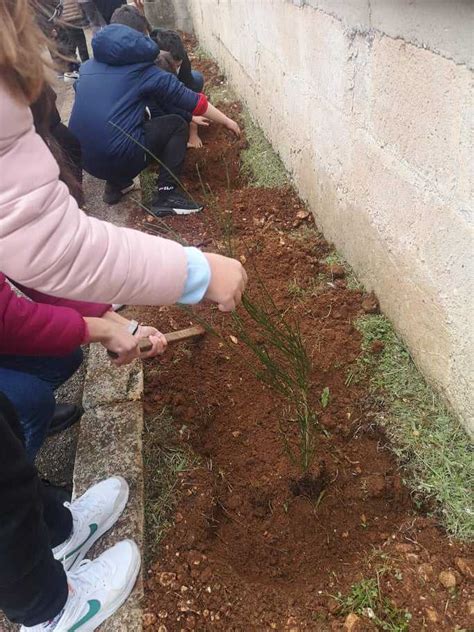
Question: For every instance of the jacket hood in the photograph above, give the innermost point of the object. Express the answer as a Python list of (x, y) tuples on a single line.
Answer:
[(119, 45)]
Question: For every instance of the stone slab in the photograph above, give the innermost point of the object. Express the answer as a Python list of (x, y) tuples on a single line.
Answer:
[(111, 443), (107, 384)]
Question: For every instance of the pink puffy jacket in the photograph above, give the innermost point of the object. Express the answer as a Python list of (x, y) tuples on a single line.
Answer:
[(48, 244)]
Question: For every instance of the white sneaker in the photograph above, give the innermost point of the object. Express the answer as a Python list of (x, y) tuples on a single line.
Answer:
[(93, 513), (97, 590), (70, 77)]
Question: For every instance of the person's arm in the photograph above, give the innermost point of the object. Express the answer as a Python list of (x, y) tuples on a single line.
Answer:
[(84, 308), (48, 244), (216, 116), (169, 89), (28, 328)]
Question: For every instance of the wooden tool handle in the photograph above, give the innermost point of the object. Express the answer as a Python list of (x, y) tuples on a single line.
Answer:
[(185, 334), (173, 336)]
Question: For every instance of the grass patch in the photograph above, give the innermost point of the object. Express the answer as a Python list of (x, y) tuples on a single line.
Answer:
[(147, 184), (163, 462), (366, 599), (305, 232), (221, 93), (260, 163), (430, 442)]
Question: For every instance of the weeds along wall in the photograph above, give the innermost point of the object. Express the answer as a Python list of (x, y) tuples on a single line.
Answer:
[(369, 104)]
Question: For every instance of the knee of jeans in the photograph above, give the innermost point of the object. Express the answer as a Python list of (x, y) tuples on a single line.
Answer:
[(180, 125), (35, 419), (77, 358)]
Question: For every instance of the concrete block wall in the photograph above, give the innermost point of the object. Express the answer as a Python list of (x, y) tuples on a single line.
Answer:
[(369, 104)]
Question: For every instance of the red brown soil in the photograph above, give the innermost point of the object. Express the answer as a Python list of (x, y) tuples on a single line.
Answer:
[(249, 550)]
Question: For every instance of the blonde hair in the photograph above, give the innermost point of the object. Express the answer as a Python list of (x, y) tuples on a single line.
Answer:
[(22, 66)]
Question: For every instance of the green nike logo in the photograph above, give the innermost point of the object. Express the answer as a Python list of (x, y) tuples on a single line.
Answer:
[(94, 607), (92, 529)]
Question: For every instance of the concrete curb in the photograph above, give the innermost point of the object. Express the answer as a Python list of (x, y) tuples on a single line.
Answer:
[(110, 442)]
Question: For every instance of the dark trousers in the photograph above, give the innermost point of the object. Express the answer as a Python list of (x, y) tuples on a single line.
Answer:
[(71, 149), (70, 39), (107, 7), (33, 586), (166, 138), (29, 383)]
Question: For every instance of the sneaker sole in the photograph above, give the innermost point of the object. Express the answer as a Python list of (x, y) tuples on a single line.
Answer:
[(176, 211), (122, 598), (122, 501)]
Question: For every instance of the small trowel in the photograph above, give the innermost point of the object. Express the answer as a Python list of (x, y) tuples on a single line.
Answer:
[(173, 336)]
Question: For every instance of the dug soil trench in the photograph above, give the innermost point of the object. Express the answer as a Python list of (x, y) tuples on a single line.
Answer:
[(252, 544)]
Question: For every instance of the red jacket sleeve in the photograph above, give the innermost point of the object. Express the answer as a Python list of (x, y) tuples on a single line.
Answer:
[(28, 328), (84, 308), (201, 106)]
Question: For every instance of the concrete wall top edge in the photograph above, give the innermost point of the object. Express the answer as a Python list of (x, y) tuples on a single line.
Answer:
[(443, 26)]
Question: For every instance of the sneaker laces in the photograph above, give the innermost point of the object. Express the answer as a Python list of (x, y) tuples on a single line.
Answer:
[(89, 573), (83, 509)]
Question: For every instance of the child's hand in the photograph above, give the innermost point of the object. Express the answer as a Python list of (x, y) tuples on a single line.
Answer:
[(156, 338), (233, 127), (201, 120), (228, 281)]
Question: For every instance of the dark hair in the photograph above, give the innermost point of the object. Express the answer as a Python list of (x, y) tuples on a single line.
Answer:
[(170, 41), (130, 16)]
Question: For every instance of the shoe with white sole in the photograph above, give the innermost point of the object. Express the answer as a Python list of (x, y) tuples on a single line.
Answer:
[(97, 589), (93, 513), (70, 77), (173, 203)]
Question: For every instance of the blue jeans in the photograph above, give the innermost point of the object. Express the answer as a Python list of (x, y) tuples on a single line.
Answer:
[(29, 383), (198, 80)]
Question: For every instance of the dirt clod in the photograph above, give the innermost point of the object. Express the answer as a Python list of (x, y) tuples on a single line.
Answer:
[(310, 486), (447, 579), (432, 615), (370, 304), (465, 567), (337, 271), (149, 619), (377, 346)]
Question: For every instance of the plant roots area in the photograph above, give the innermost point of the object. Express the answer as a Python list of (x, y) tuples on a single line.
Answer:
[(256, 520)]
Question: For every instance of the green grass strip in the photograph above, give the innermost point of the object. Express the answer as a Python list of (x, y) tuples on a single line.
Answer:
[(427, 438)]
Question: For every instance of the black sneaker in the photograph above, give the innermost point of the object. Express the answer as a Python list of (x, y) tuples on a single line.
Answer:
[(113, 193), (173, 203), (65, 416)]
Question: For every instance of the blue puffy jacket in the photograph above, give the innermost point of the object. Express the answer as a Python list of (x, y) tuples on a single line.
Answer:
[(114, 87)]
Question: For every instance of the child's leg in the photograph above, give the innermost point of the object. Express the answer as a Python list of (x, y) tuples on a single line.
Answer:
[(80, 43), (67, 49), (194, 141), (29, 383), (166, 138), (95, 19), (33, 585)]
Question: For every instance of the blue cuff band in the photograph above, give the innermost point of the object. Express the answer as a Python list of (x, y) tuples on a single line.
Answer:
[(198, 279)]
